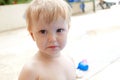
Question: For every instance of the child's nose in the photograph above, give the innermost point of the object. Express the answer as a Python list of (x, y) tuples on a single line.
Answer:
[(52, 37)]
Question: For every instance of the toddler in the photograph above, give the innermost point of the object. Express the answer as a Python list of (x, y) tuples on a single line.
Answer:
[(48, 24)]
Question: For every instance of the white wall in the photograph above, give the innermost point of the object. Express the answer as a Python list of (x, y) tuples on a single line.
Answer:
[(12, 17)]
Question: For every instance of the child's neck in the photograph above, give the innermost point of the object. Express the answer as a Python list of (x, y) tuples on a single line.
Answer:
[(48, 57)]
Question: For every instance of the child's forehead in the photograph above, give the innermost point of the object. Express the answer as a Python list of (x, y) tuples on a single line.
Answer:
[(58, 20)]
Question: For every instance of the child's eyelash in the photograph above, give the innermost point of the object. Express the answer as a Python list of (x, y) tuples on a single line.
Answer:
[(42, 31), (45, 31), (60, 30)]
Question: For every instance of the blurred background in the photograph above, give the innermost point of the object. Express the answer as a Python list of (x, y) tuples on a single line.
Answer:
[(9, 2)]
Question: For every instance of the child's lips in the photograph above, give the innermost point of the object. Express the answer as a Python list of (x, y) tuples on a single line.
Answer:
[(52, 47)]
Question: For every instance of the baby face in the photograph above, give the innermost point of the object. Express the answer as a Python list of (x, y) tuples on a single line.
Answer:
[(50, 38)]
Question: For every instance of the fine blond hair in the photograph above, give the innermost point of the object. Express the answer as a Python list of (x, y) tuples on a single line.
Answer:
[(46, 11)]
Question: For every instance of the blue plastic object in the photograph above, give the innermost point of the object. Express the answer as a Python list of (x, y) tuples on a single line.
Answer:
[(70, 0), (83, 65)]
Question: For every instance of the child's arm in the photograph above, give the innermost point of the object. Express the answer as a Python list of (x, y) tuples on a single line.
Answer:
[(27, 73)]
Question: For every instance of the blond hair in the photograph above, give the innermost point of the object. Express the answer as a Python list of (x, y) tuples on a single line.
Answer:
[(46, 11)]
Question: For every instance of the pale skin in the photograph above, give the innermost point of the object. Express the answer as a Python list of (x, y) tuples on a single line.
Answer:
[(49, 63)]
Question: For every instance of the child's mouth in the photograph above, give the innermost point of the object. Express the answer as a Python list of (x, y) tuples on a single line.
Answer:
[(52, 47)]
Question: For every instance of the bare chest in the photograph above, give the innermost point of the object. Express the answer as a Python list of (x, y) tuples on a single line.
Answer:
[(57, 71)]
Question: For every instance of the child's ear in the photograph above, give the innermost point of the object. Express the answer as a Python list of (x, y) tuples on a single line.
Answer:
[(32, 35)]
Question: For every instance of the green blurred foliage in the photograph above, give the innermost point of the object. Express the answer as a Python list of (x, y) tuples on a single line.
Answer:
[(8, 2)]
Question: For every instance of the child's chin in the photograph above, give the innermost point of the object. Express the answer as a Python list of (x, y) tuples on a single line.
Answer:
[(56, 53)]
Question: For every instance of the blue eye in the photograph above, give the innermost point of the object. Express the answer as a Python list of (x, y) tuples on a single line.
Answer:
[(43, 31), (60, 30)]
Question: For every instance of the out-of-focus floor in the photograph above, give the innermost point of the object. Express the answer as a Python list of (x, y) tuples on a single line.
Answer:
[(95, 37)]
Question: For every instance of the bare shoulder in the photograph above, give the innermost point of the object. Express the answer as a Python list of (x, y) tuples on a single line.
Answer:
[(28, 71)]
